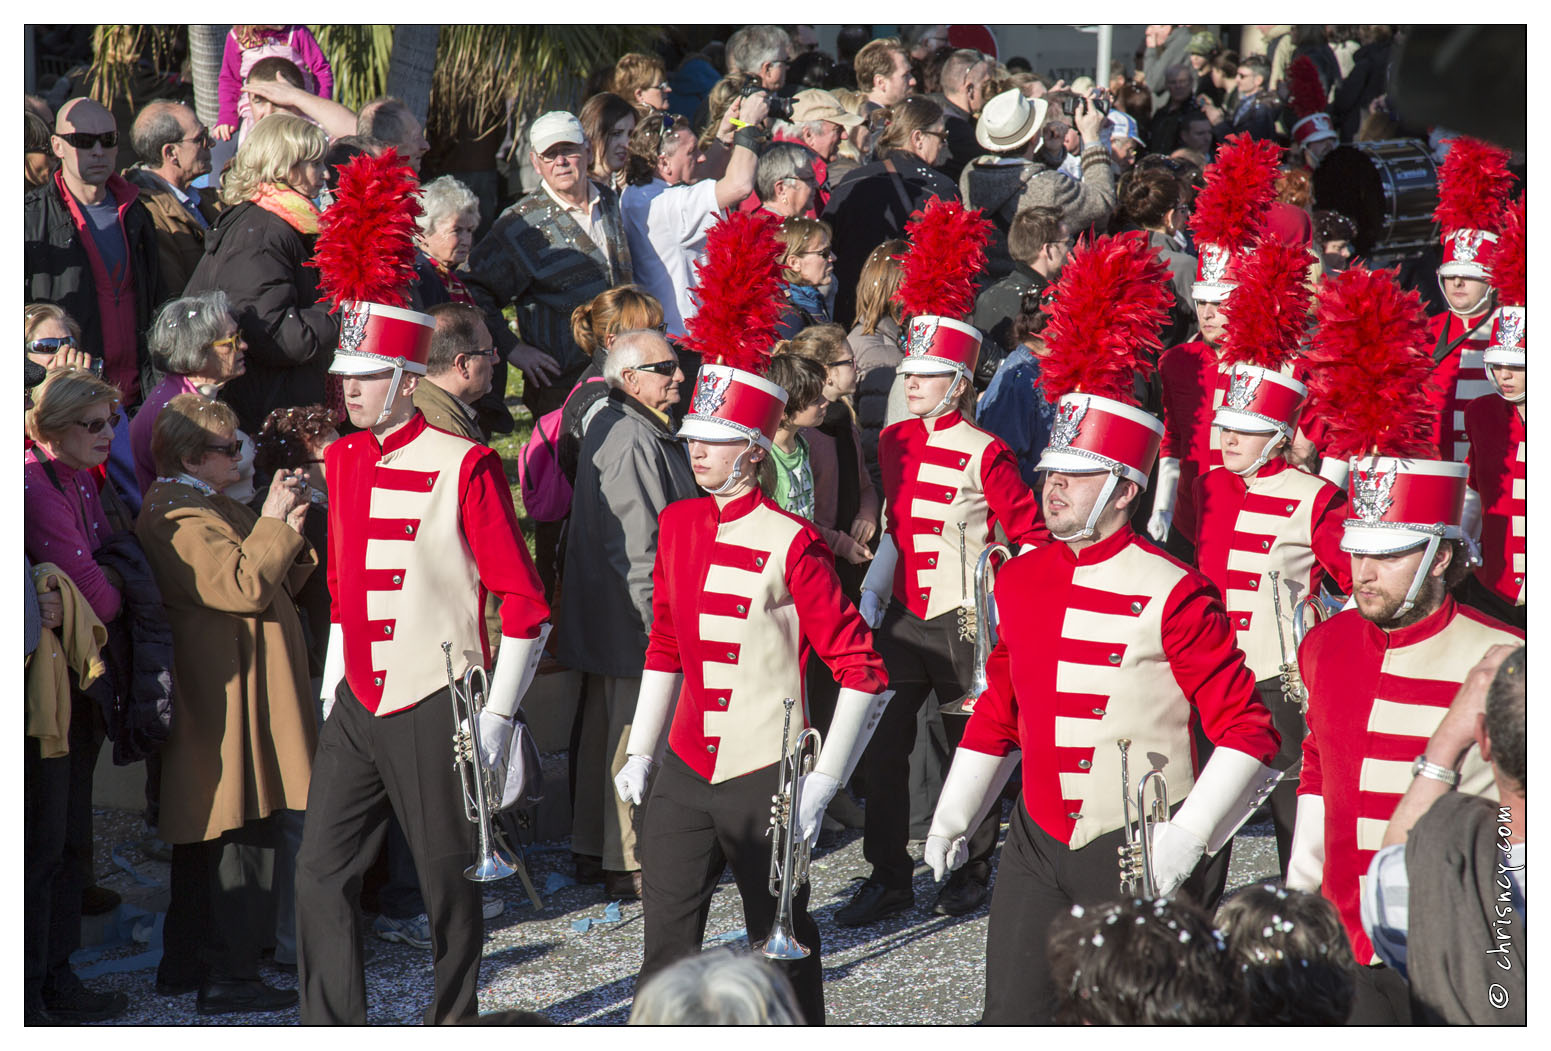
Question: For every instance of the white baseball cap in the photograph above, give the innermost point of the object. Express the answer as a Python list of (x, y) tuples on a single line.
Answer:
[(554, 127)]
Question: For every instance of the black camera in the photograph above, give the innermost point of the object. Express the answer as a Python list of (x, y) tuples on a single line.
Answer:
[(778, 106)]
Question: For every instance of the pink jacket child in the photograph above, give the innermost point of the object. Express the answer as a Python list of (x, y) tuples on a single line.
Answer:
[(245, 45)]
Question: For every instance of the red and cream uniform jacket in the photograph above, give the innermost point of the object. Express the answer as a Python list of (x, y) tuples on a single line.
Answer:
[(1375, 697), (1458, 379), (1283, 519), (421, 528), (1496, 458), (1118, 640), (740, 595), (1194, 385), (940, 474)]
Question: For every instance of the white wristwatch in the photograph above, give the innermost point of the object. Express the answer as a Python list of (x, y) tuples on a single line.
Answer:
[(1423, 768)]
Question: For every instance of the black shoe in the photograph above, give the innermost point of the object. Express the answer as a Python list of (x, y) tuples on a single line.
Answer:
[(232, 997), (176, 986), (963, 893), (873, 902), (97, 900), (83, 1005), (589, 868)]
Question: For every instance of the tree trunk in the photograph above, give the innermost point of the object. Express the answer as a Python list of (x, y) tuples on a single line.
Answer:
[(205, 45), (411, 66)]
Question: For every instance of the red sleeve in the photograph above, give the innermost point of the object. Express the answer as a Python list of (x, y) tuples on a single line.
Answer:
[(1311, 779), (829, 621), (993, 726), (1329, 514), (1210, 669), (1013, 504), (662, 644), (490, 525)]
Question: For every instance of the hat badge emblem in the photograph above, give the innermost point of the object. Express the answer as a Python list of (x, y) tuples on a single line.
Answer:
[(1510, 328), (711, 393), (1370, 494), (923, 333), (1067, 423), (352, 327), (1214, 262), (1467, 244), (1241, 389)]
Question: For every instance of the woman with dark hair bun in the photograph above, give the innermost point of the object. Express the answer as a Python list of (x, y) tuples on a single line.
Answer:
[(1152, 198)]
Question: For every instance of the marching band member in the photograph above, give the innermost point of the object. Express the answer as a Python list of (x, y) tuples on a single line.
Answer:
[(1473, 185), (421, 527), (1381, 676), (1494, 424), (1269, 532), (1229, 211), (949, 486), (742, 592), (1104, 638)]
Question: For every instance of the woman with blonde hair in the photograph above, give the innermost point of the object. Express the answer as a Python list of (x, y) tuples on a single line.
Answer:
[(257, 253), (642, 81), (242, 743), (874, 341), (808, 268)]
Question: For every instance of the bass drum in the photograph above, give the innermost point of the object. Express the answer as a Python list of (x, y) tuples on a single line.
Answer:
[(1388, 188)]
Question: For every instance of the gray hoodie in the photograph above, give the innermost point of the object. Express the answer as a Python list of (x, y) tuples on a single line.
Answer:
[(1002, 187)]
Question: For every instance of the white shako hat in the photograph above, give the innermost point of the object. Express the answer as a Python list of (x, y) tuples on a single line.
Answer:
[(730, 404)]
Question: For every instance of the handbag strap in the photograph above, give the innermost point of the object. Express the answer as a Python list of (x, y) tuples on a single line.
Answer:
[(898, 182)]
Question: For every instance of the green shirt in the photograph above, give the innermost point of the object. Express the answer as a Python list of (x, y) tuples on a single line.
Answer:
[(794, 479)]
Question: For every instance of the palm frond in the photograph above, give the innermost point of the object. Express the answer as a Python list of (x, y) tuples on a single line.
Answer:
[(116, 54), (359, 56)]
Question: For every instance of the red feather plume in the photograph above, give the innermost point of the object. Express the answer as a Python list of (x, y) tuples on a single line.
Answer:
[(1473, 185), (1111, 301), (1369, 362), (740, 291), (1508, 274), (1240, 183), (1268, 313), (366, 238), (946, 254), (1308, 91)]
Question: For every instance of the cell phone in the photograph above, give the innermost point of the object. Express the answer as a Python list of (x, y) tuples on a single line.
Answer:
[(96, 366)]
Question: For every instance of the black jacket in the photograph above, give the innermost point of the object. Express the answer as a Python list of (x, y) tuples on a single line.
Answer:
[(872, 205), (135, 697), (997, 307), (256, 258), (1368, 80), (57, 270)]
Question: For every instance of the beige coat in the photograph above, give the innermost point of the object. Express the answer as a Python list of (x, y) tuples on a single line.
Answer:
[(445, 412), (244, 724)]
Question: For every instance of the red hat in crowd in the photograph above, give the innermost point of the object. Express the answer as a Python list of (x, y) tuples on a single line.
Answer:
[(1307, 91), (1473, 185), (945, 251), (732, 404), (1111, 301), (1230, 211), (1508, 277)]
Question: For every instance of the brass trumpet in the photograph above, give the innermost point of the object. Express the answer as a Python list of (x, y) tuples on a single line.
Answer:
[(789, 850), (480, 784), (1312, 605), (986, 635), (1136, 875)]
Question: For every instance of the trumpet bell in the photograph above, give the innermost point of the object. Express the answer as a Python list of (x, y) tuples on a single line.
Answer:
[(493, 866), (782, 946)]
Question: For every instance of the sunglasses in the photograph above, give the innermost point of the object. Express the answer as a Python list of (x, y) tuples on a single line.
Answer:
[(85, 140), (666, 134), (666, 367), (232, 449), (51, 344), (842, 363), (202, 139), (96, 426)]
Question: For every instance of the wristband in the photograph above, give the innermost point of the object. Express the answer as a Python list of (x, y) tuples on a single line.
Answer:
[(748, 137), (1423, 768)]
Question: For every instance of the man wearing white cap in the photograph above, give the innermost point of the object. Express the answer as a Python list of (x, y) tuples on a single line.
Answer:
[(1014, 173)]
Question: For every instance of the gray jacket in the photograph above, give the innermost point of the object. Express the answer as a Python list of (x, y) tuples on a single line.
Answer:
[(1001, 188), (631, 467), (877, 356)]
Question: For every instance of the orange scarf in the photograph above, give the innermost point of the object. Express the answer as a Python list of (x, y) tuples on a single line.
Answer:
[(289, 205)]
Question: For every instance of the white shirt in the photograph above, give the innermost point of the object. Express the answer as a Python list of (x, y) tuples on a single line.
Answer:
[(589, 218), (666, 227)]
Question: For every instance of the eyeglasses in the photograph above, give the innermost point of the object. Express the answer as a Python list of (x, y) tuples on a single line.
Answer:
[(96, 426), (202, 139), (668, 128), (85, 140), (666, 367), (842, 363), (488, 352), (933, 131), (826, 251), (232, 449), (51, 344), (230, 341)]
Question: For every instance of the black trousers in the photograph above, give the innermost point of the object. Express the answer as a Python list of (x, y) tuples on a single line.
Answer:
[(1038, 880), (222, 912), (365, 769), (1477, 595), (921, 656), (691, 832), (51, 889), (1288, 720)]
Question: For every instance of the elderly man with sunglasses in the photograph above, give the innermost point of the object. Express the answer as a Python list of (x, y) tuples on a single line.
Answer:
[(89, 246)]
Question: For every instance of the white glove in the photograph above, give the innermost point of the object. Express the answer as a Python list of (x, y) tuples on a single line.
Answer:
[(815, 791), (630, 782), (1470, 525), (653, 704), (1230, 788), (872, 608), (1163, 501), (1175, 853), (1335, 471), (333, 668), (1306, 859), (515, 664), (974, 781), (943, 856), (495, 740)]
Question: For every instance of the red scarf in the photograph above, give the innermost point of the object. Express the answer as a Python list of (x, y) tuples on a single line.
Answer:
[(456, 289)]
